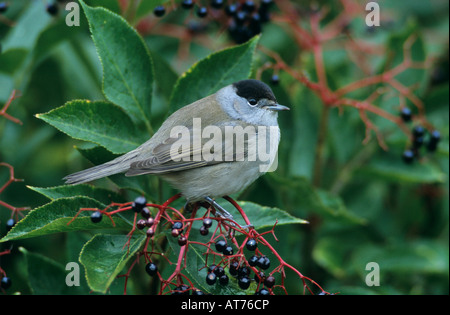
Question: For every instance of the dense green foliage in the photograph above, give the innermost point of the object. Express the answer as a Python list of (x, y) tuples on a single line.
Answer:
[(85, 99)]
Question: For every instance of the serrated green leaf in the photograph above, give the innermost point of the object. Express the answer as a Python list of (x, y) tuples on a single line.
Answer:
[(99, 122), (214, 72), (260, 216), (104, 257), (47, 277), (126, 62), (105, 196), (55, 216)]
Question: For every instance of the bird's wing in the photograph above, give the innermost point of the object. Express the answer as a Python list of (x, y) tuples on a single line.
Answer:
[(188, 151)]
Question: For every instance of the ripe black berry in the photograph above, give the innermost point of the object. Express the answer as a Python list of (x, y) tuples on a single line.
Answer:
[(159, 11), (221, 245), (263, 291), (275, 79), (139, 204), (202, 12), (151, 269), (177, 225), (198, 292), (211, 278), (244, 283), (269, 281), (234, 267), (52, 9), (5, 283), (3, 7), (418, 131), (96, 217), (219, 271), (408, 156), (207, 222), (204, 230), (181, 290), (253, 260), (231, 9), (244, 271), (140, 224), (249, 6), (223, 279), (406, 114), (9, 224), (187, 4), (182, 241), (433, 141), (150, 232), (145, 213), (217, 4), (251, 245), (263, 262), (418, 142), (228, 251)]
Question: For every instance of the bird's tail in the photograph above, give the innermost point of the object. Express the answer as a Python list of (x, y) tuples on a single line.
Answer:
[(118, 165)]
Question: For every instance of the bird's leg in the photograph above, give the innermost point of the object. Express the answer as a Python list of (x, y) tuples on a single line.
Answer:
[(222, 212)]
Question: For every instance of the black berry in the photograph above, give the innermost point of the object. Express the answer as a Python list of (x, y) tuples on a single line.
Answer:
[(231, 9), (52, 9), (202, 12), (5, 283), (253, 261), (251, 245), (408, 156), (159, 11), (211, 278), (182, 241), (145, 213), (207, 222), (204, 230), (433, 141), (406, 114), (96, 217), (3, 7), (140, 224), (263, 291), (244, 283), (177, 225), (9, 224), (244, 271), (228, 251), (187, 4), (151, 269), (198, 292), (219, 271), (275, 79), (139, 204), (269, 281), (249, 6), (418, 131), (217, 4), (234, 267), (263, 262), (181, 290), (223, 279), (221, 245)]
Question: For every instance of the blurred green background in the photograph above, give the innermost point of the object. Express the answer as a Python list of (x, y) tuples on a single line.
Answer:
[(367, 206)]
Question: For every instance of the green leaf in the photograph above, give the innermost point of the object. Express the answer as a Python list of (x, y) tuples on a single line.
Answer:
[(104, 257), (47, 277), (98, 122), (398, 171), (105, 196), (11, 60), (213, 73), (260, 216), (126, 62), (55, 216)]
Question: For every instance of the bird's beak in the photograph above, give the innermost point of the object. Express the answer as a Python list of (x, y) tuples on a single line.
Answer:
[(277, 107)]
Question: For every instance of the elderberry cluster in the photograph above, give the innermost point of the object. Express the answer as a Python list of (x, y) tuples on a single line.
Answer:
[(242, 271), (421, 138), (244, 19)]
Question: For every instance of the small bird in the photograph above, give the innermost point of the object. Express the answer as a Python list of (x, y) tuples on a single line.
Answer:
[(211, 148)]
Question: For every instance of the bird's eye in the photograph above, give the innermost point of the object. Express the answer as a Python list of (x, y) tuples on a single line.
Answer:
[(252, 102)]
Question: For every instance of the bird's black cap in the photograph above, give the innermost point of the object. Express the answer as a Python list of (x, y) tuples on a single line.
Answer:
[(254, 89)]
